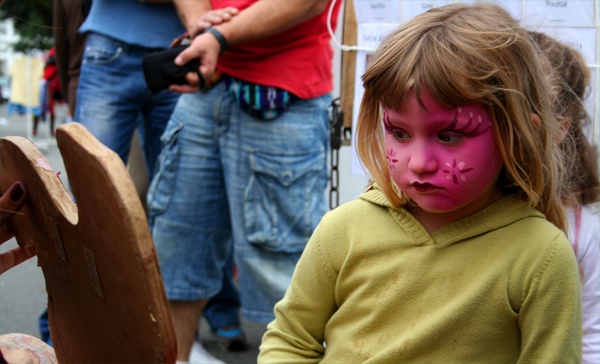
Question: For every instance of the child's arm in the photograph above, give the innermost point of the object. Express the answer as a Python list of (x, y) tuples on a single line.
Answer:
[(297, 333), (550, 315)]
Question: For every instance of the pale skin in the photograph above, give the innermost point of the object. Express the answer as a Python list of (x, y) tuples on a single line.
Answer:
[(22, 348), (18, 348), (446, 160), (260, 20)]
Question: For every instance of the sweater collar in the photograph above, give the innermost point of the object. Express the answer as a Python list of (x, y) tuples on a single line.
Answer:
[(499, 214)]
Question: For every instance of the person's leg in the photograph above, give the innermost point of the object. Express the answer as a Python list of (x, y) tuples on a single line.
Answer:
[(36, 120), (157, 111), (52, 119), (111, 92), (45, 328), (43, 99), (189, 215), (276, 174), (51, 103), (136, 166), (222, 309), (222, 313), (185, 316)]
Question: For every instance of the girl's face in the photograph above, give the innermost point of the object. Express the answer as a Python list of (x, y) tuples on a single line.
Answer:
[(446, 160)]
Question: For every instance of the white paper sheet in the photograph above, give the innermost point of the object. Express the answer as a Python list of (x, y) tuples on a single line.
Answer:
[(572, 21), (559, 13), (377, 11)]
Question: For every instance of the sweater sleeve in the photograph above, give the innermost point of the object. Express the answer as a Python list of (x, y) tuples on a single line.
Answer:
[(550, 315), (297, 333)]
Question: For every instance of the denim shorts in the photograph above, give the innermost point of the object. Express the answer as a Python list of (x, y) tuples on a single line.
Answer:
[(226, 180)]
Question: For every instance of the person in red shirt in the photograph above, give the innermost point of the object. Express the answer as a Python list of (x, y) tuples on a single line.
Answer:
[(50, 93), (243, 169)]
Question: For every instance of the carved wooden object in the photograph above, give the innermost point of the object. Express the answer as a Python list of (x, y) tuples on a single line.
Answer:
[(106, 299)]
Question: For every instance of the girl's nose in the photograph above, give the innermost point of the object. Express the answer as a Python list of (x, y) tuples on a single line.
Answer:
[(423, 160)]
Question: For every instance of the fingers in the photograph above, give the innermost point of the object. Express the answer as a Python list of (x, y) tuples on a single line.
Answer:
[(14, 257), (23, 348), (12, 200), (220, 16), (206, 48), (10, 203), (213, 17), (185, 56), (184, 88), (199, 28), (194, 83)]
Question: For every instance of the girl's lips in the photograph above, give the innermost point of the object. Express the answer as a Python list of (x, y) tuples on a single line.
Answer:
[(422, 187)]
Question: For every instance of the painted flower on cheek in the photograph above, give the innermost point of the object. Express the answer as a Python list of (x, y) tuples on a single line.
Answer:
[(391, 158), (456, 171)]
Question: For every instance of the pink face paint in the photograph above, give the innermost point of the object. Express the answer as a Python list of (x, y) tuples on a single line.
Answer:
[(446, 160), (469, 123)]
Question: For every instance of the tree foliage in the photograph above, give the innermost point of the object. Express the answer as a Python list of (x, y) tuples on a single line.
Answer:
[(33, 23)]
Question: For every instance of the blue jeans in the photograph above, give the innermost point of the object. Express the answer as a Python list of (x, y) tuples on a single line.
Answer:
[(225, 176), (222, 309), (112, 97), (44, 328)]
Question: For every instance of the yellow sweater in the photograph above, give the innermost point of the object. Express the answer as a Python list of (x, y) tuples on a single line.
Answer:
[(499, 286)]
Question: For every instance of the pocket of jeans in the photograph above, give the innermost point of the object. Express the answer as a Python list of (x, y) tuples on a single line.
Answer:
[(95, 54), (280, 204), (163, 183)]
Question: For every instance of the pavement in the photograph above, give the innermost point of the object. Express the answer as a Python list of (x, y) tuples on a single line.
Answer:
[(22, 289)]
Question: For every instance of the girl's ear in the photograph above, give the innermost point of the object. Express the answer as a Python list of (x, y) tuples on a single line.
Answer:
[(536, 120)]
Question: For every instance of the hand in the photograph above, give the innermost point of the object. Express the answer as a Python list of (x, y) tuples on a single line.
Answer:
[(22, 348), (207, 49), (10, 203), (213, 17)]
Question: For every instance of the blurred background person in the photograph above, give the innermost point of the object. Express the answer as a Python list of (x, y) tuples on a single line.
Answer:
[(582, 192), (69, 43)]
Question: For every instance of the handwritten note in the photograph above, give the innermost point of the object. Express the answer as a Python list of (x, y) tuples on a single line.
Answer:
[(559, 13), (377, 11)]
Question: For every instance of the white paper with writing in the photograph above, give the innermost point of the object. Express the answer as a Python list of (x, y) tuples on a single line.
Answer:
[(571, 21)]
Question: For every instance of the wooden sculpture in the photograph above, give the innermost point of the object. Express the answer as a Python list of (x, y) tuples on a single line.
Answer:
[(106, 299)]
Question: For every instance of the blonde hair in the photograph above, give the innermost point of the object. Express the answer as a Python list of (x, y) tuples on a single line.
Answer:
[(572, 80), (462, 54)]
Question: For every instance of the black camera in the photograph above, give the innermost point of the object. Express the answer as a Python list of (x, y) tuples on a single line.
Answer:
[(160, 70)]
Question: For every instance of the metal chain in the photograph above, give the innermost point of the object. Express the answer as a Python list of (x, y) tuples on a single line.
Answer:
[(334, 175), (336, 120)]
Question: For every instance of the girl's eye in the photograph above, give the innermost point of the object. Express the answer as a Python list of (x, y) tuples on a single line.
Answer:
[(399, 134), (449, 137)]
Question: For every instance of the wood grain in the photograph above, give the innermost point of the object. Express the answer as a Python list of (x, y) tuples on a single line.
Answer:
[(106, 299)]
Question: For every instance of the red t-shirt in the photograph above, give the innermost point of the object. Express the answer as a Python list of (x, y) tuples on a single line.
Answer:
[(298, 60)]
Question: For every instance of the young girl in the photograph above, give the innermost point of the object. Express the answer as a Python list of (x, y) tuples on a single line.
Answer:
[(453, 255), (582, 191)]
